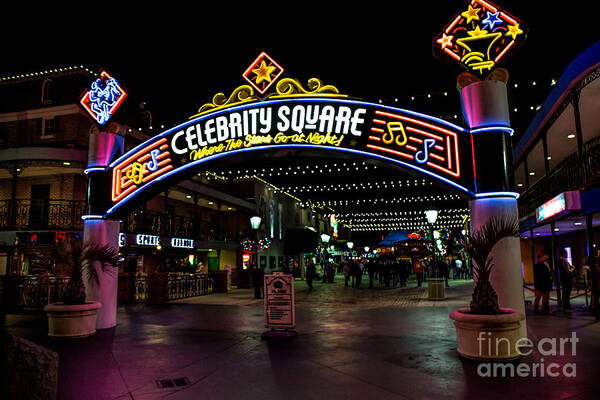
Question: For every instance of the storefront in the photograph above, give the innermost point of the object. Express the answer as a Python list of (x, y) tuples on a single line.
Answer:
[(564, 222)]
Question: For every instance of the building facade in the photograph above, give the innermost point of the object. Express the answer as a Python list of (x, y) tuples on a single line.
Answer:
[(198, 226), (557, 170)]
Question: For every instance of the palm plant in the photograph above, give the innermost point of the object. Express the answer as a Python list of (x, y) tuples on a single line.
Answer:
[(81, 257), (478, 246)]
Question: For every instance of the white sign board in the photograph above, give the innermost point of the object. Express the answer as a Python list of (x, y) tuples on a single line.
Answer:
[(279, 301)]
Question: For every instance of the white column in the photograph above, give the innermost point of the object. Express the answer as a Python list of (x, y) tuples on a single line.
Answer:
[(485, 105), (103, 232), (507, 275)]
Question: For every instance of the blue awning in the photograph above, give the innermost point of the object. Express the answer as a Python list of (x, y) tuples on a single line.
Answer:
[(577, 69)]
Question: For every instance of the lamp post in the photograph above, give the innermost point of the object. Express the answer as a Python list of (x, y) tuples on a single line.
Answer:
[(255, 224), (431, 213), (325, 239)]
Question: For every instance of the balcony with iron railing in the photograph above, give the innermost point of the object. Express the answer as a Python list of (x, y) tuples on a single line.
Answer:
[(166, 224), (27, 214), (64, 215), (569, 174)]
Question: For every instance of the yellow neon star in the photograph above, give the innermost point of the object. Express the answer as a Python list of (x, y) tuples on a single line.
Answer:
[(471, 14), (477, 32), (263, 72), (445, 41), (514, 30)]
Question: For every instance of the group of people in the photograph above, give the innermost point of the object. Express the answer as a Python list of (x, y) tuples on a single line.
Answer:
[(393, 272), (544, 278)]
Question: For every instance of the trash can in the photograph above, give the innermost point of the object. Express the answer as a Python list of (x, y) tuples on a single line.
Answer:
[(220, 281), (435, 288), (158, 288)]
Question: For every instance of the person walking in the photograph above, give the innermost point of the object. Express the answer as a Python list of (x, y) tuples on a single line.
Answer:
[(311, 271), (257, 280), (395, 273), (418, 267), (371, 268), (458, 268), (346, 270), (444, 270), (542, 282), (566, 273), (403, 272), (360, 267)]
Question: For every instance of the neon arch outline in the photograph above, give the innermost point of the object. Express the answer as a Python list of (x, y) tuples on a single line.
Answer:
[(200, 161)]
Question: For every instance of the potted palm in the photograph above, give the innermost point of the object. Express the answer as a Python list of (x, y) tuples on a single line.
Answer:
[(74, 316), (486, 331)]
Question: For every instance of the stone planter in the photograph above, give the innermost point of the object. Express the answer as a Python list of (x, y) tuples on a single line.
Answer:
[(435, 289), (73, 320), (488, 337)]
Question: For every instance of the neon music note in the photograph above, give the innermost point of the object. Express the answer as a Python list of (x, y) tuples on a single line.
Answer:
[(136, 173), (423, 155), (152, 165)]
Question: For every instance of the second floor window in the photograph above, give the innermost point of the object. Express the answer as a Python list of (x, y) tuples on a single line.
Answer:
[(48, 127), (47, 91)]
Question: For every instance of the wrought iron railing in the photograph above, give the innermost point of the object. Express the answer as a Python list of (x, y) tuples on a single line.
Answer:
[(35, 292), (180, 286), (189, 285), (41, 214), (165, 224), (568, 175)]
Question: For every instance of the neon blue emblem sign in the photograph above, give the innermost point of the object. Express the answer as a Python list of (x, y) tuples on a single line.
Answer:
[(103, 98)]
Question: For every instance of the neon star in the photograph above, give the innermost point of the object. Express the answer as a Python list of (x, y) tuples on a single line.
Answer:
[(471, 14), (263, 72), (477, 32), (445, 41), (492, 19), (514, 30)]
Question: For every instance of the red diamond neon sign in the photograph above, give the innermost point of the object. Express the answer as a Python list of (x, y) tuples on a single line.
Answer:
[(263, 72), (103, 98)]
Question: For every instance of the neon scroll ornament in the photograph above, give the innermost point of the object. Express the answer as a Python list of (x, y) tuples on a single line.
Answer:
[(479, 37), (103, 98)]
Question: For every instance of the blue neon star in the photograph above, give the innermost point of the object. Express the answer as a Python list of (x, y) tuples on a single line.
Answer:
[(492, 19)]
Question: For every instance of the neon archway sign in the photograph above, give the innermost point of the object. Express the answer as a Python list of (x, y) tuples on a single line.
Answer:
[(293, 117)]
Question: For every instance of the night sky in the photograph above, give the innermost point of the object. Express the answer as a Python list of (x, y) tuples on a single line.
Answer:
[(177, 59)]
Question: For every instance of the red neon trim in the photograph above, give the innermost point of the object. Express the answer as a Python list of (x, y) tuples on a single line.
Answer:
[(145, 149), (156, 173), (453, 23), (375, 138), (473, 156), (437, 128), (452, 54), (449, 158), (414, 139), (509, 18), (378, 121), (163, 162), (431, 135), (411, 147), (370, 146), (504, 51), (163, 147), (378, 130), (455, 174), (487, 5), (440, 148), (118, 183), (442, 159)]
